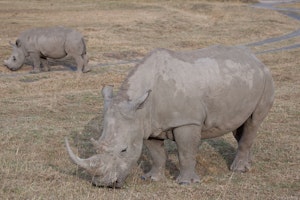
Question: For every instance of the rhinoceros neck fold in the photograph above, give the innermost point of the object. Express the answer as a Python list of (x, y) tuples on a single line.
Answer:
[(142, 77)]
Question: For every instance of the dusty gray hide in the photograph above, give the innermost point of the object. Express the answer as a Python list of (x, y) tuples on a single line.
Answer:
[(38, 44), (185, 97)]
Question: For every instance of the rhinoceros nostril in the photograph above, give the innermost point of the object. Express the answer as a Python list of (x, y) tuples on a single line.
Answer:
[(118, 184)]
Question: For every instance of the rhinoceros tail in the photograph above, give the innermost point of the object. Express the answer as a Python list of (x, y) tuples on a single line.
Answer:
[(84, 46)]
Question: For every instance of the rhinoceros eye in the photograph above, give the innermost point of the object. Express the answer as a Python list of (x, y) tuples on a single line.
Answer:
[(14, 58), (124, 150)]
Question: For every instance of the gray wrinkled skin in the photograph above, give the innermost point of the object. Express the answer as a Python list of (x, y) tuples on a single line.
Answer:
[(38, 44), (185, 97)]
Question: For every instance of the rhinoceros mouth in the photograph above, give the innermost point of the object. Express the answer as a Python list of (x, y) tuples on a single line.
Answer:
[(116, 184), (12, 69)]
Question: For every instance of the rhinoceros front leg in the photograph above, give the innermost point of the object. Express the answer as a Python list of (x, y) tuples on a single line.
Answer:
[(158, 154), (79, 61), (36, 62), (45, 64), (188, 141), (246, 134)]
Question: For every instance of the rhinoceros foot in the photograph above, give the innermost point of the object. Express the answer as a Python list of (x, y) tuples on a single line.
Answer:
[(241, 163), (153, 175), (188, 178), (35, 71), (85, 70)]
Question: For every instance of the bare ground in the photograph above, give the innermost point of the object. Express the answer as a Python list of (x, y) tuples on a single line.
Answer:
[(39, 110)]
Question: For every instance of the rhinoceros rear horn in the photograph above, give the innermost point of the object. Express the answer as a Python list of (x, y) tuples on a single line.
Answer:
[(107, 93), (84, 163)]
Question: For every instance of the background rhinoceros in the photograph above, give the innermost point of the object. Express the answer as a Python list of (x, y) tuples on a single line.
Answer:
[(185, 97), (38, 44)]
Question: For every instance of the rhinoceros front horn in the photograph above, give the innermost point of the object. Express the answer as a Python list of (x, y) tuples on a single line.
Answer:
[(84, 163)]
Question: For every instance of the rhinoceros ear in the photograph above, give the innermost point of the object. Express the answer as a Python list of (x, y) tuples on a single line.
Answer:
[(139, 102), (128, 109), (18, 43), (107, 93)]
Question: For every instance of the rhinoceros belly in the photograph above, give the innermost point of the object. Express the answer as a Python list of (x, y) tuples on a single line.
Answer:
[(52, 47)]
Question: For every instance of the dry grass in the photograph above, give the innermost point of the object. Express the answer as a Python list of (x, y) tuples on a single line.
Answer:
[(38, 111)]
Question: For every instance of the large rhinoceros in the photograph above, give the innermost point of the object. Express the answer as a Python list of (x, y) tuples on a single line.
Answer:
[(38, 44), (185, 97)]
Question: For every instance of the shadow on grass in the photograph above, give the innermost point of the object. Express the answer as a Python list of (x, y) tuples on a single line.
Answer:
[(82, 143), (145, 161), (225, 149), (64, 64), (220, 145)]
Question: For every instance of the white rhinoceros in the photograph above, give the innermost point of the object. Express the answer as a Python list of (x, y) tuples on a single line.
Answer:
[(38, 44), (185, 97)]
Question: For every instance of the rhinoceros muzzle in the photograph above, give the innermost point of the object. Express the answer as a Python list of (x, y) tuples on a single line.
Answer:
[(6, 63), (105, 180)]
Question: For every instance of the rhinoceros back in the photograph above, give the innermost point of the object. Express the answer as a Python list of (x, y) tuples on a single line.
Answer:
[(217, 87), (53, 42)]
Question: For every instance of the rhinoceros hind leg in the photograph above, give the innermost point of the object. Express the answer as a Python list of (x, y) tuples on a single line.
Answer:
[(79, 61), (158, 154), (245, 136), (85, 64), (246, 133), (188, 140)]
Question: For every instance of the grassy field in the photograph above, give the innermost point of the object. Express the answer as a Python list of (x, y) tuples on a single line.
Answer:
[(38, 110)]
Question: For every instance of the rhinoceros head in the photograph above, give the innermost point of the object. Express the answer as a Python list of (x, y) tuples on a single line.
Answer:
[(120, 144), (16, 60)]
